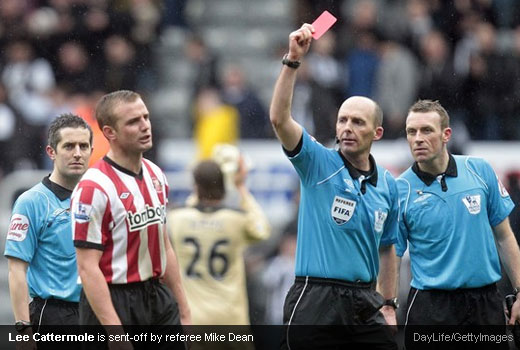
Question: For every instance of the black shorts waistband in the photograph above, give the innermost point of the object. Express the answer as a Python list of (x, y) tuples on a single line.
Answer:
[(337, 282), (52, 301), (134, 285), (486, 288)]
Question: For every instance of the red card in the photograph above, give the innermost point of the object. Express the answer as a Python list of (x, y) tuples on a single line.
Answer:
[(322, 24)]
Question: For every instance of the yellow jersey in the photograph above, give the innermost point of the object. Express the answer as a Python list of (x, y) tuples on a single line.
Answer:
[(209, 242)]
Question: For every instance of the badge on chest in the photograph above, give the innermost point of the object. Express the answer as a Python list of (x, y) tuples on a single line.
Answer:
[(342, 209)]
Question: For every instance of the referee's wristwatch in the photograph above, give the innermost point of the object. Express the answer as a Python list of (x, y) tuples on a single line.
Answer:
[(393, 302), (21, 325), (292, 64)]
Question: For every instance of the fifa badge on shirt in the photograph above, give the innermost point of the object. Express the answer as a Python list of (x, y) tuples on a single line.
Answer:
[(342, 209), (472, 203), (18, 228), (380, 217)]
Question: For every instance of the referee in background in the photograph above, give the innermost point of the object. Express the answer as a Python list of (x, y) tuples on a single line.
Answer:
[(454, 220)]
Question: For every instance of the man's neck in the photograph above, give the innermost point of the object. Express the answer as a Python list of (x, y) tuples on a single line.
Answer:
[(437, 165), (360, 162), (66, 182), (130, 162)]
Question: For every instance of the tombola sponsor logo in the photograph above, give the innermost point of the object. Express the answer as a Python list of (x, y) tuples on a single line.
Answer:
[(146, 217)]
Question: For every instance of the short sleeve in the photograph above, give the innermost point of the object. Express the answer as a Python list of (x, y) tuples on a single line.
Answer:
[(90, 216), (28, 217), (499, 204), (389, 236), (304, 161), (403, 189)]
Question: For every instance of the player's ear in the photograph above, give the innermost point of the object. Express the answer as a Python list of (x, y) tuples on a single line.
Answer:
[(109, 133), (50, 152), (446, 135), (378, 133)]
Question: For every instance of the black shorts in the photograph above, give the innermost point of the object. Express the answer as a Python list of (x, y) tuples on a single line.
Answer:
[(53, 316), (142, 307), (52, 312), (442, 313), (333, 314)]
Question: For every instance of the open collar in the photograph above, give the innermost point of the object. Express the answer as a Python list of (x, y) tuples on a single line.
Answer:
[(355, 174), (59, 191)]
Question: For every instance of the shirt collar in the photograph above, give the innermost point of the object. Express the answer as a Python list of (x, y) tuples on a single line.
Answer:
[(124, 170), (428, 178), (354, 173), (61, 192)]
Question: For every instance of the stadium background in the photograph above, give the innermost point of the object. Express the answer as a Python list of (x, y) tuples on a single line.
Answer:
[(60, 55)]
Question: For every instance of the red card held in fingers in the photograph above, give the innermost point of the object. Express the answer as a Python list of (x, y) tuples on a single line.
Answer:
[(322, 24)]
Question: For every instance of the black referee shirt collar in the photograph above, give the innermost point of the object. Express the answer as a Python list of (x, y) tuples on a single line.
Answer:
[(428, 178), (124, 170), (59, 191), (355, 173)]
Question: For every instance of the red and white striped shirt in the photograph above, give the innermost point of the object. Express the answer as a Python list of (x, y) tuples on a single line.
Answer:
[(124, 215)]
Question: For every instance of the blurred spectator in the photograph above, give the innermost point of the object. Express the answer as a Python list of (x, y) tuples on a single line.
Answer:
[(397, 68), (513, 186), (361, 46), (76, 70), (85, 108), (8, 126), (487, 84), (308, 10), (325, 82), (29, 81), (438, 80), (278, 277), (174, 13), (120, 65), (302, 97), (146, 20), (419, 21), (362, 16), (204, 61), (215, 122), (11, 20), (362, 64), (254, 121)]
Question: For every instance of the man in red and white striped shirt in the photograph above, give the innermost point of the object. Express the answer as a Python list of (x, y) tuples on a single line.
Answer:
[(118, 218)]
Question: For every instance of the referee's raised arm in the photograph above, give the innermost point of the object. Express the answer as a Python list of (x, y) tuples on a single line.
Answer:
[(288, 131)]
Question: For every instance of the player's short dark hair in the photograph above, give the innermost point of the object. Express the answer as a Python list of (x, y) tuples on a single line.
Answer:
[(66, 120), (107, 103), (209, 180), (425, 106)]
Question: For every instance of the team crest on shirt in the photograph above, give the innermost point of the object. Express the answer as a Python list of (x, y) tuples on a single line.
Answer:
[(472, 203), (18, 228), (342, 209), (81, 212), (379, 219), (157, 184)]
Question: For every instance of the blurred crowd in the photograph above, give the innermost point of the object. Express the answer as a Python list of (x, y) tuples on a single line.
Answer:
[(464, 53), (58, 55), (62, 55)]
